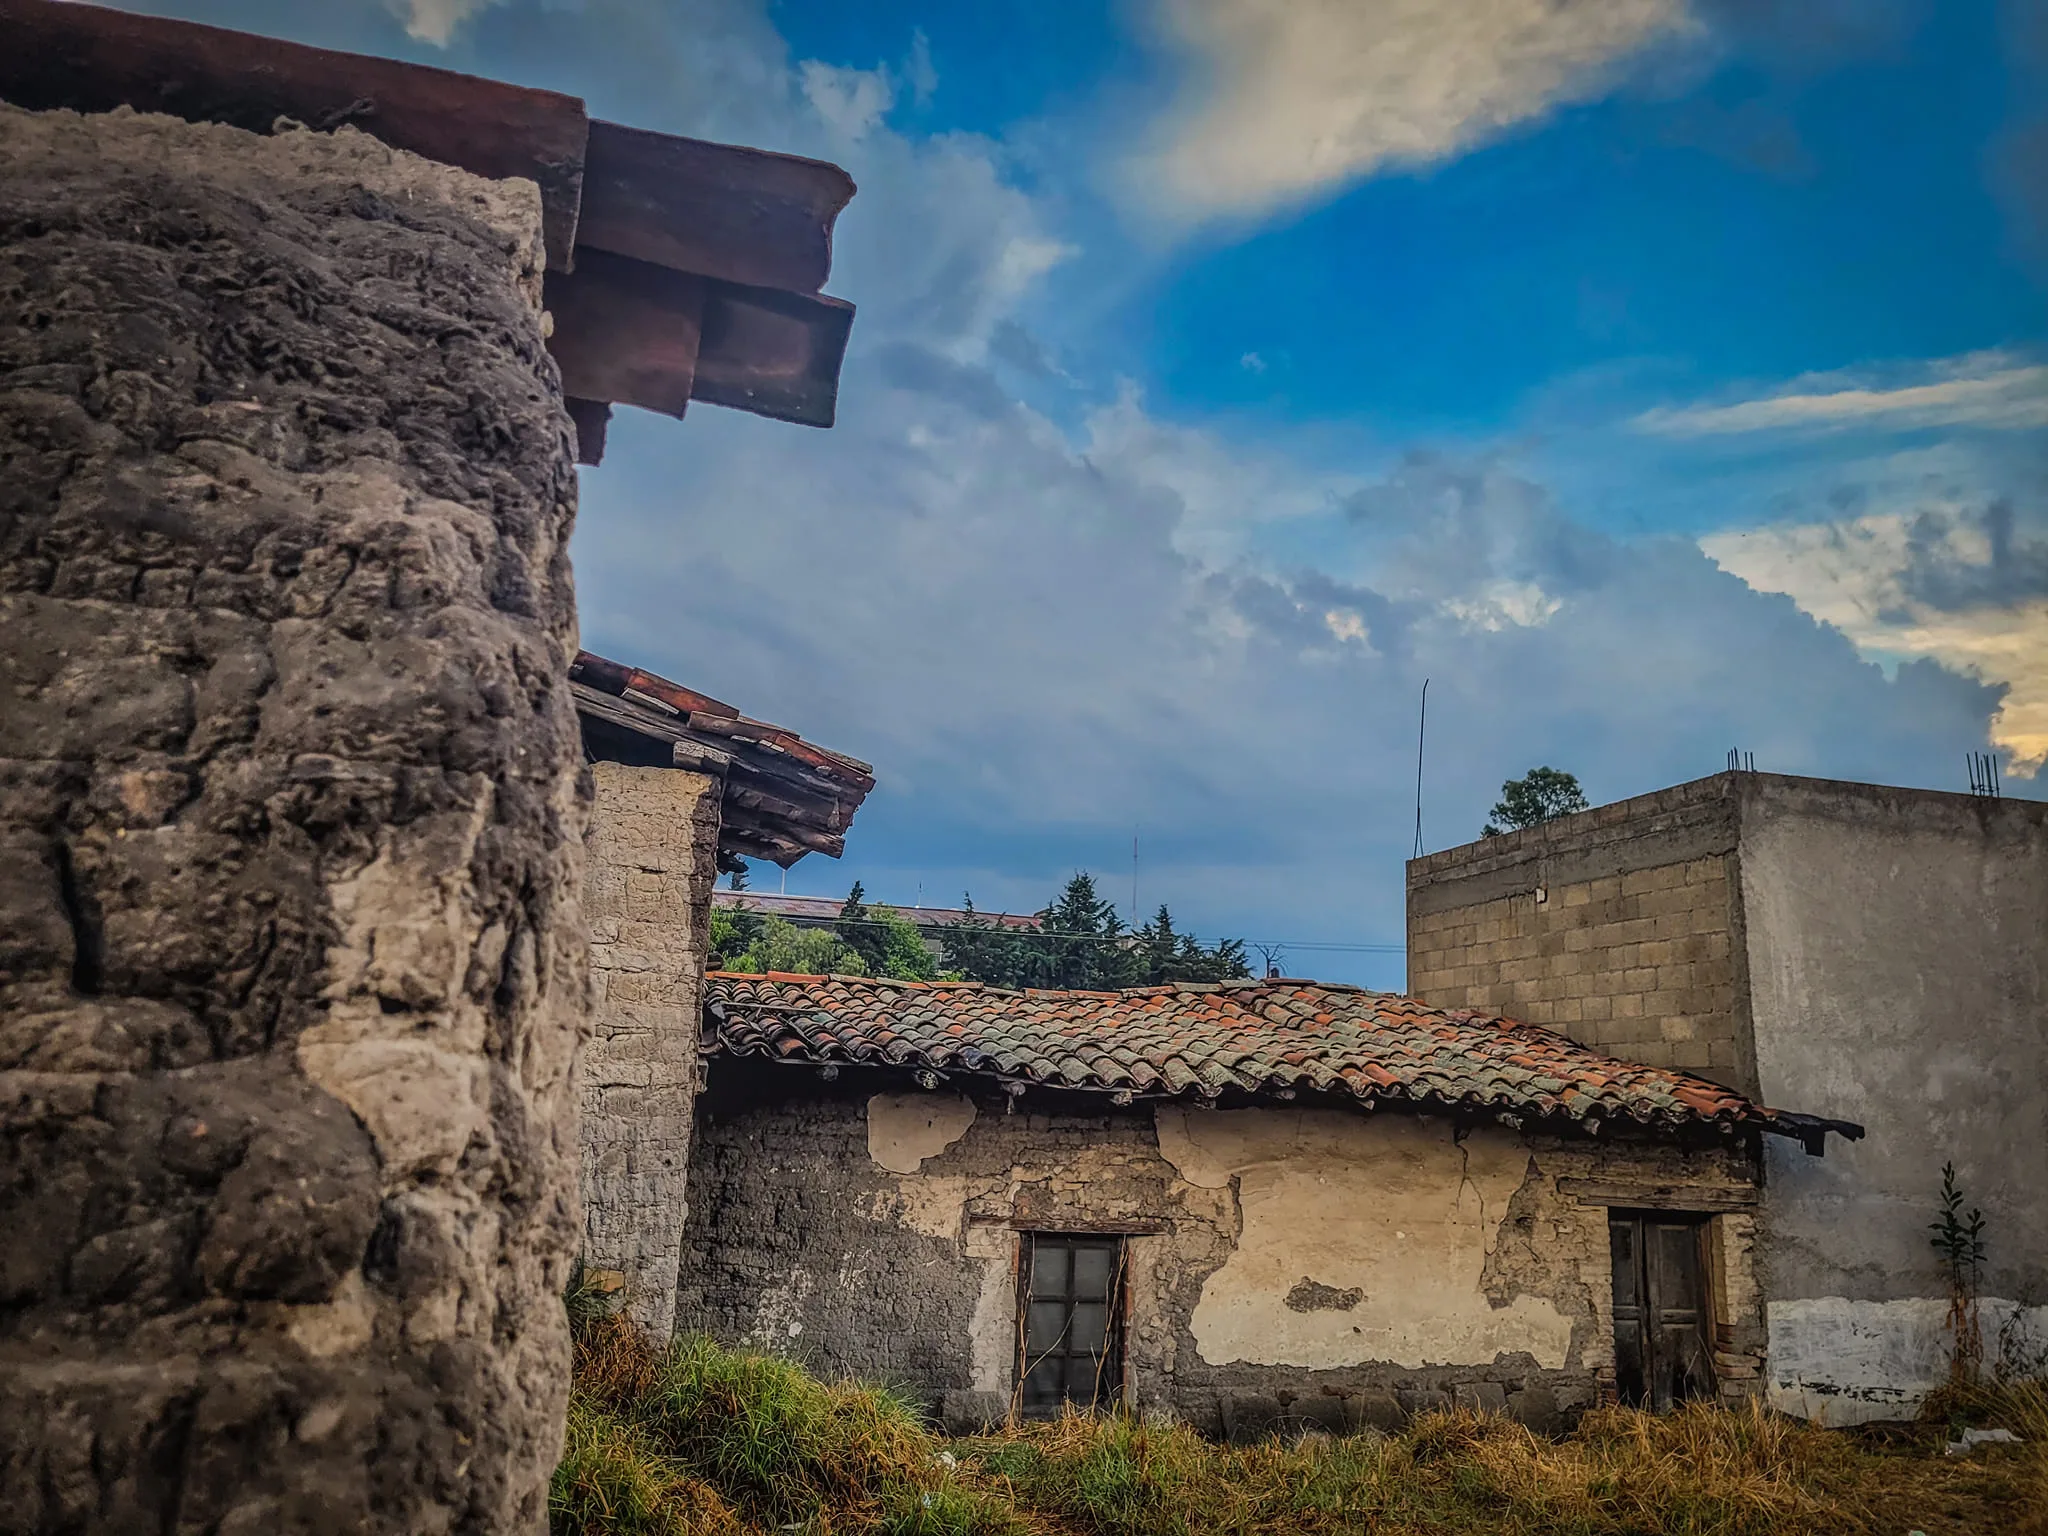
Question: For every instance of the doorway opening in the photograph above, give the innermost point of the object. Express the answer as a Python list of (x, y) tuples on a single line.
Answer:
[(1663, 1323)]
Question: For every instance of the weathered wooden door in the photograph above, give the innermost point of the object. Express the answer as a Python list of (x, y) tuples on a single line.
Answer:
[(1663, 1352)]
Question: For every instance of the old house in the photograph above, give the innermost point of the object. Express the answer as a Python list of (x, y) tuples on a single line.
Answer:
[(1870, 952), (1249, 1204), (300, 350)]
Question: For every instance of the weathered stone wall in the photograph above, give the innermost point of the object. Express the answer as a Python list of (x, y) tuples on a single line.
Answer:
[(1620, 927), (653, 858), (1286, 1264), (291, 959)]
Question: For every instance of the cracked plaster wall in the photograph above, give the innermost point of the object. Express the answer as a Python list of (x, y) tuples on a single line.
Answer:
[(1284, 1263), (292, 966)]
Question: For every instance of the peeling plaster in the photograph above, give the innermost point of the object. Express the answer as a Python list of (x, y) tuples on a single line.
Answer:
[(1843, 1362), (993, 1328), (906, 1128), (1395, 1209)]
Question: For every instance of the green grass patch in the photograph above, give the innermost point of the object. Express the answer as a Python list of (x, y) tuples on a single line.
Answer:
[(713, 1440)]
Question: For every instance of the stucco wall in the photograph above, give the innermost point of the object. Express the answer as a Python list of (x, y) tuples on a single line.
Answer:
[(1286, 1263), (653, 857), (291, 960), (1898, 956)]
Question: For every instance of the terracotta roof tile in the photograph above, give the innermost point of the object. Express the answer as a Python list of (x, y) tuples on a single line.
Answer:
[(1258, 1038)]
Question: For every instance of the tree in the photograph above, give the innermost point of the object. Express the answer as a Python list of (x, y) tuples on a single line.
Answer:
[(783, 946), (1083, 943), (737, 880), (888, 943), (1540, 795), (979, 949), (1167, 955), (856, 930), (1080, 942)]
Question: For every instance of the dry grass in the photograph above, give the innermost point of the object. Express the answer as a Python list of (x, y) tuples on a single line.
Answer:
[(701, 1441), (1704, 1472)]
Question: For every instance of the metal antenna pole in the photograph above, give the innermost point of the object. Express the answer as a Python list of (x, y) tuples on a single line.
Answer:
[(1421, 726)]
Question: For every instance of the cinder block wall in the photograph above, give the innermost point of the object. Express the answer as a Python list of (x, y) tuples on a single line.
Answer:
[(653, 860), (1620, 928), (292, 966)]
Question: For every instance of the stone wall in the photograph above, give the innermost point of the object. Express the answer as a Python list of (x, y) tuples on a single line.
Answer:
[(292, 966), (1621, 927), (653, 857), (871, 1229)]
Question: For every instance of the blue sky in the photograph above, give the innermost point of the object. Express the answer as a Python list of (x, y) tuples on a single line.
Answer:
[(1653, 376)]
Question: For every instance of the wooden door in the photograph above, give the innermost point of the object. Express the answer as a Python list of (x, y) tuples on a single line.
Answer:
[(1663, 1353)]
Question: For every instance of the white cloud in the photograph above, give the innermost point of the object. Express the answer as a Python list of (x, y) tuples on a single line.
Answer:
[(851, 101), (1044, 632), (1938, 583), (1251, 362), (1986, 390), (435, 21), (1288, 98)]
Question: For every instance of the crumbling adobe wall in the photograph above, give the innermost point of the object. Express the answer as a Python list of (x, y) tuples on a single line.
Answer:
[(291, 961), (1287, 1264), (653, 857)]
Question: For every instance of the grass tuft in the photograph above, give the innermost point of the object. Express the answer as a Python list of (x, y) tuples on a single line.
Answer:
[(749, 1443)]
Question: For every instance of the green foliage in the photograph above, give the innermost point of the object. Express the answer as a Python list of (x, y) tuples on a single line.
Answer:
[(902, 952), (1166, 955), (887, 943), (1081, 942), (1959, 1240), (781, 946), (1540, 795)]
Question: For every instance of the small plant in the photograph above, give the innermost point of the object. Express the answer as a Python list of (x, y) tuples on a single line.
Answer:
[(1959, 1239)]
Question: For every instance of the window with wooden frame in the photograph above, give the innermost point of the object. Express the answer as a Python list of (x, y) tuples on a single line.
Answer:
[(1663, 1310), (1070, 1322)]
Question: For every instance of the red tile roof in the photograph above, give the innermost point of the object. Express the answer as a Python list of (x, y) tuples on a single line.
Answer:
[(784, 796), (1265, 1038)]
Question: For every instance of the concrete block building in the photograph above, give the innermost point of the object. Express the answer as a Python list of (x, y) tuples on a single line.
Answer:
[(1871, 953)]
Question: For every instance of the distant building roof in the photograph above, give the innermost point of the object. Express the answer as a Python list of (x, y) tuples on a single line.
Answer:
[(678, 269), (1271, 1038), (784, 796), (825, 909)]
